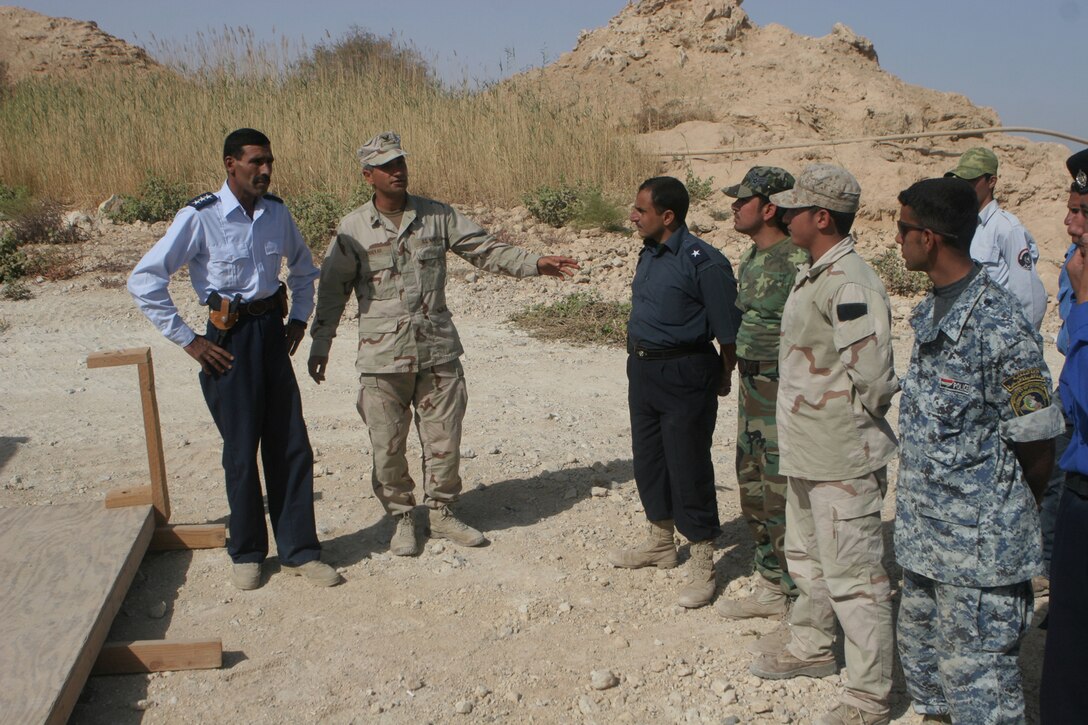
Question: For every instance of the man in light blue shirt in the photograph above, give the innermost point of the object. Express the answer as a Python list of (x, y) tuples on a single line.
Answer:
[(234, 242), (1005, 248)]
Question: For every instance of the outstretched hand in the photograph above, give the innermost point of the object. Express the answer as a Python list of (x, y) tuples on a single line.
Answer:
[(556, 266), (213, 359)]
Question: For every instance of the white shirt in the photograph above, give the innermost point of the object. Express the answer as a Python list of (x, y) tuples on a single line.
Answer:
[(227, 252), (1009, 254)]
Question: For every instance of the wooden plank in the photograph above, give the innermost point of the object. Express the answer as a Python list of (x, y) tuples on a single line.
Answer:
[(122, 497), (189, 536), (125, 658), (160, 495), (65, 571), (113, 358)]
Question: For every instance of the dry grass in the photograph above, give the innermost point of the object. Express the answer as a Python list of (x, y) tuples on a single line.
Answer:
[(581, 318), (81, 141)]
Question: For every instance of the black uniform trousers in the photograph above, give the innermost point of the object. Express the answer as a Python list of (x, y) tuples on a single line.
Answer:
[(1063, 697), (674, 408), (257, 403)]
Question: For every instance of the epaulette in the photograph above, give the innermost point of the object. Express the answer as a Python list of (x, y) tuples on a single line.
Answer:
[(698, 254), (273, 197), (205, 199)]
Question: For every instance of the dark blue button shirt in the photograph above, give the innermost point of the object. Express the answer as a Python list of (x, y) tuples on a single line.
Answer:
[(684, 294)]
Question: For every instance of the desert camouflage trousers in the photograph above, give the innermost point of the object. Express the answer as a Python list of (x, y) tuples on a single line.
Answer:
[(959, 647), (762, 489), (438, 397), (835, 548)]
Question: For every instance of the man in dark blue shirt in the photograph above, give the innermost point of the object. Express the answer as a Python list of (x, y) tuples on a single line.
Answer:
[(683, 296)]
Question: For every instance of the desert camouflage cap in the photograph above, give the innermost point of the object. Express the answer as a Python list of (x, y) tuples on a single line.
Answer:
[(381, 149), (1078, 169), (825, 186), (763, 180), (974, 163)]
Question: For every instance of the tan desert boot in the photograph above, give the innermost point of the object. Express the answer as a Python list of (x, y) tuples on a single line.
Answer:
[(658, 550), (404, 541), (702, 583), (444, 525), (768, 601)]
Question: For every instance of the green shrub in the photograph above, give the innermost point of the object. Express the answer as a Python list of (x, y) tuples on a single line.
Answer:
[(12, 259), (157, 200), (552, 205), (699, 189), (581, 318), (898, 280), (593, 210), (316, 214)]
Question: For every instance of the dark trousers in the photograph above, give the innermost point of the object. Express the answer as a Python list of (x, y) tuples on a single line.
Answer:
[(257, 403), (674, 408), (1063, 697)]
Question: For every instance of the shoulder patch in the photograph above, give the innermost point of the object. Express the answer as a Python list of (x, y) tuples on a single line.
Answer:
[(697, 254), (851, 311), (205, 199), (1024, 258), (273, 197), (1027, 390)]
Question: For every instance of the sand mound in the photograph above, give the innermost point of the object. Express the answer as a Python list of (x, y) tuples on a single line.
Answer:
[(708, 78), (35, 44)]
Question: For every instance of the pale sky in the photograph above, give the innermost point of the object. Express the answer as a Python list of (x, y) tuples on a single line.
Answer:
[(1026, 59)]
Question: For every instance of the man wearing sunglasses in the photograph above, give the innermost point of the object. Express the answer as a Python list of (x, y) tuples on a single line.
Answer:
[(977, 425), (837, 380), (1001, 243)]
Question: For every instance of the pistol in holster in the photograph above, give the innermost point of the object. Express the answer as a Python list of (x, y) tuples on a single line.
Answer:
[(281, 297), (223, 314)]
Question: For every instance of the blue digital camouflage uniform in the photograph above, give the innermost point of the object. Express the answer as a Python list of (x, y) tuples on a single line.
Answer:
[(967, 531)]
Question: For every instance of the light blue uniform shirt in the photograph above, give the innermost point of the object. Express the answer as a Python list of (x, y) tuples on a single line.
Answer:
[(1009, 254), (227, 252)]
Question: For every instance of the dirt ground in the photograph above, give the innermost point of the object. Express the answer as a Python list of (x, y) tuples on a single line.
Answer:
[(509, 632)]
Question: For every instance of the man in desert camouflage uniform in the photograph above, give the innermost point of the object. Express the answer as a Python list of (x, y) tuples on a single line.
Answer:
[(766, 276), (977, 422), (836, 384), (391, 252)]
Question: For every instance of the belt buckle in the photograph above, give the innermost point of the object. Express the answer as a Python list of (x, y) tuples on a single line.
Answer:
[(258, 307)]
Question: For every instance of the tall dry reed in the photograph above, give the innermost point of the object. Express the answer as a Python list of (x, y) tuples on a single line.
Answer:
[(82, 140)]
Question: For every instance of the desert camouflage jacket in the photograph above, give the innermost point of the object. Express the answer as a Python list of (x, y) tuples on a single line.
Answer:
[(836, 375), (977, 384), (399, 280)]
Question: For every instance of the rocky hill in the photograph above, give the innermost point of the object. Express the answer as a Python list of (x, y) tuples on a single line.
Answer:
[(706, 77), (35, 44)]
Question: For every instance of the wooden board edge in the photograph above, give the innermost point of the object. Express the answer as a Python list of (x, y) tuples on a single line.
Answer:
[(134, 496), (125, 658), (81, 669), (174, 537), (113, 358)]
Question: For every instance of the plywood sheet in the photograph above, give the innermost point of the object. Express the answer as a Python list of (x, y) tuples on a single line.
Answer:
[(64, 571)]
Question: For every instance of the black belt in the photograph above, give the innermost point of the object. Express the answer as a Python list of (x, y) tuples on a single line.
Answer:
[(751, 368), (256, 308), (667, 353), (1077, 483)]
